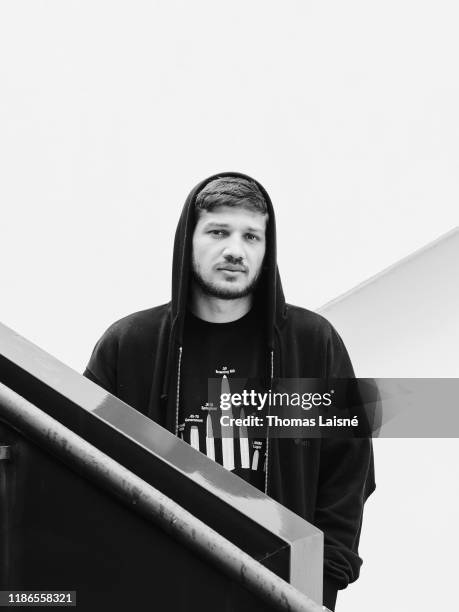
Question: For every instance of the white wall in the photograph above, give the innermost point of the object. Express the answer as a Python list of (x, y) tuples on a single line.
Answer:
[(112, 111), (405, 323)]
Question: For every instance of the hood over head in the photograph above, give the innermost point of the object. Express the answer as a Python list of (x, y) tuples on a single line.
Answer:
[(269, 290)]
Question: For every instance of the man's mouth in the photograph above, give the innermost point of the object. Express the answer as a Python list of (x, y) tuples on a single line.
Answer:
[(231, 268)]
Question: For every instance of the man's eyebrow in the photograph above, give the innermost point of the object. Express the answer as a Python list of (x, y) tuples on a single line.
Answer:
[(215, 224), (209, 224)]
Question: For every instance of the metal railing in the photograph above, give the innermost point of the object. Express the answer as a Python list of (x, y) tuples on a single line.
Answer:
[(180, 524)]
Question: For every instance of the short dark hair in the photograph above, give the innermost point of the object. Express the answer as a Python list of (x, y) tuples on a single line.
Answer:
[(231, 191)]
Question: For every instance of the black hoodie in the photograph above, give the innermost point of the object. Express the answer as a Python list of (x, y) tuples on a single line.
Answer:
[(326, 481)]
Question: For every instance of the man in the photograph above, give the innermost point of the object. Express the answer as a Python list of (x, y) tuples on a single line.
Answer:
[(228, 318)]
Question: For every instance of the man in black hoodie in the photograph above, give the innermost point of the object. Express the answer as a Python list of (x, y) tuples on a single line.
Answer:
[(228, 318)]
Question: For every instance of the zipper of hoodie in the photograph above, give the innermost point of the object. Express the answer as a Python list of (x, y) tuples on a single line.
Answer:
[(177, 396), (271, 377)]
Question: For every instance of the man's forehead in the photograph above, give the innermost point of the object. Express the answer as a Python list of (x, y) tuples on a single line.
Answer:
[(231, 216)]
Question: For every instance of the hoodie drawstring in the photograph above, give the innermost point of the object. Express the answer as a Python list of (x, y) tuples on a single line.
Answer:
[(271, 377), (177, 397)]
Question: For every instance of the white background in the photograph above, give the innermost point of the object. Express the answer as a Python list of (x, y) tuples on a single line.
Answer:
[(345, 111)]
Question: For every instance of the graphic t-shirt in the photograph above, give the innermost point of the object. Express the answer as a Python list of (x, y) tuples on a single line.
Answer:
[(223, 351)]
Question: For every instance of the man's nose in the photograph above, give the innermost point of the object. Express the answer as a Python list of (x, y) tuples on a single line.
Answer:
[(234, 248)]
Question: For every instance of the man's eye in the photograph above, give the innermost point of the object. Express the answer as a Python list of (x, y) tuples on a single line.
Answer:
[(218, 233), (251, 237)]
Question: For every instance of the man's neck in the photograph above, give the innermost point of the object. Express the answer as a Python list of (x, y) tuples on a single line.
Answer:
[(216, 310)]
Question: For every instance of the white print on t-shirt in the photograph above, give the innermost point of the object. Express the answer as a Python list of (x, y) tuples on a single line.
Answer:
[(226, 370), (208, 406)]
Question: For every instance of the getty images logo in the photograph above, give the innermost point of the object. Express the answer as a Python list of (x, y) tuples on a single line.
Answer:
[(258, 401)]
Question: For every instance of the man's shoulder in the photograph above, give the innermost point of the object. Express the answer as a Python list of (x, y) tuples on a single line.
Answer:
[(304, 320), (138, 325), (317, 337)]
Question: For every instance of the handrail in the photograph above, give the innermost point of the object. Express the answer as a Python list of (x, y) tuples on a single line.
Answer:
[(151, 503)]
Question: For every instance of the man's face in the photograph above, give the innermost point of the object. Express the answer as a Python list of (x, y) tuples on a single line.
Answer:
[(228, 249)]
